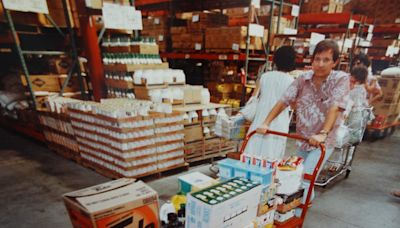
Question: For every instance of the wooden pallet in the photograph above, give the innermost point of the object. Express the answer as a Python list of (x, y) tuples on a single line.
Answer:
[(101, 170)]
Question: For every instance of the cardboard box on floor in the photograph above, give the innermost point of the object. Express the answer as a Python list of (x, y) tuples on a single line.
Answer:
[(118, 203)]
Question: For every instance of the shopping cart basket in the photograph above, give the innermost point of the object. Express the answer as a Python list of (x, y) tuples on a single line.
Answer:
[(295, 222), (342, 157)]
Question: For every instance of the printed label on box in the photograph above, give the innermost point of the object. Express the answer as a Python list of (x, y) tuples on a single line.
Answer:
[(195, 18), (235, 47), (197, 46)]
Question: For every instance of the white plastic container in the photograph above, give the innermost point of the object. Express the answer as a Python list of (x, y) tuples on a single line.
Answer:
[(205, 96)]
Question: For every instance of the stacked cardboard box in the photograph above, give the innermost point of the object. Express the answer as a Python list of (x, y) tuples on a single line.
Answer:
[(182, 38), (318, 6), (46, 85), (122, 137), (57, 128), (232, 38), (383, 12), (158, 28), (191, 36), (389, 105)]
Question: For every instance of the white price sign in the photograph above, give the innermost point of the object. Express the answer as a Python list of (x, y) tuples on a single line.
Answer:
[(121, 17), (316, 38), (348, 43), (256, 3), (235, 47), (36, 6), (351, 24), (295, 11), (256, 30), (197, 46)]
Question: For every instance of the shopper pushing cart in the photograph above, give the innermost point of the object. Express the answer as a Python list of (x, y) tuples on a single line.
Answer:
[(319, 97)]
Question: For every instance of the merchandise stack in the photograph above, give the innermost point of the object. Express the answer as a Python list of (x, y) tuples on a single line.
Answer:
[(157, 27), (57, 128), (327, 6), (190, 36), (387, 108), (122, 56), (126, 137)]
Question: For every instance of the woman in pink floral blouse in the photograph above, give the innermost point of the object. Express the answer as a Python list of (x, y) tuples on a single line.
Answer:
[(319, 96)]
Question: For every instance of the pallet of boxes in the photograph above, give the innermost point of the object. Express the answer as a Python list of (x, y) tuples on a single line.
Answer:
[(387, 108), (128, 138), (57, 128)]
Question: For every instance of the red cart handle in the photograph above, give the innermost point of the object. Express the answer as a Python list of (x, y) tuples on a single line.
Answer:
[(310, 177)]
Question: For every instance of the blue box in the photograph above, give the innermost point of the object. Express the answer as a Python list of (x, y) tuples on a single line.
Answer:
[(261, 175), (227, 168)]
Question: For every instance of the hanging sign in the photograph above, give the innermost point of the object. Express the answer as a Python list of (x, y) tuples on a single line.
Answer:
[(36, 6), (295, 11), (121, 17), (256, 30)]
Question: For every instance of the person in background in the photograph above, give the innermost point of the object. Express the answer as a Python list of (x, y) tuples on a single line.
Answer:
[(269, 90), (320, 97), (372, 86), (358, 92)]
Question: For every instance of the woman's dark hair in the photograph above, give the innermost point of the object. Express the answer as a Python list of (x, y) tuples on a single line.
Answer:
[(360, 73), (361, 58), (285, 58), (326, 45)]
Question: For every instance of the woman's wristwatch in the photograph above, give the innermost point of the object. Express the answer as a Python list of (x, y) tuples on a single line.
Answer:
[(324, 132)]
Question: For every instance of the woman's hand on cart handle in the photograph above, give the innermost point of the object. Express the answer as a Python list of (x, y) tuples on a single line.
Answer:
[(262, 129), (317, 139)]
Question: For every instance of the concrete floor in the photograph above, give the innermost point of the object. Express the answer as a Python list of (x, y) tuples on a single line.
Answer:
[(33, 178)]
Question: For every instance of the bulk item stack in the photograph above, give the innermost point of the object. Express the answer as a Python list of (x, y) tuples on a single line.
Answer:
[(125, 138)]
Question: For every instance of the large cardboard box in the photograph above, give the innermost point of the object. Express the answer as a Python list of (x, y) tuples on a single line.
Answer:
[(212, 207), (118, 203), (47, 83), (145, 49), (193, 133)]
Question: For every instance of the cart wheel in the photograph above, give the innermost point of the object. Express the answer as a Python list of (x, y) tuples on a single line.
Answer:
[(385, 132), (392, 130), (347, 173)]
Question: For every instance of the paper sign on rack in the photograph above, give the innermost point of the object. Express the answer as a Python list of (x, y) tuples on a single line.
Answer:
[(197, 46), (121, 17), (256, 3), (195, 18), (316, 38), (369, 36), (256, 30), (370, 28), (396, 50), (289, 31), (348, 43), (36, 6), (295, 11), (351, 24)]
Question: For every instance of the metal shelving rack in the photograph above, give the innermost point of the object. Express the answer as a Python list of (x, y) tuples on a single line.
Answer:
[(163, 5), (21, 53), (21, 127)]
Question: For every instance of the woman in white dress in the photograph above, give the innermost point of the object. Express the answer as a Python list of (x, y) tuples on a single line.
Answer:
[(270, 88)]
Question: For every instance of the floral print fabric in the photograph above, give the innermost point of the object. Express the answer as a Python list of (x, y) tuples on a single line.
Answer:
[(312, 104)]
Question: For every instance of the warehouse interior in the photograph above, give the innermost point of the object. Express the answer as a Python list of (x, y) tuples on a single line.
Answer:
[(137, 113)]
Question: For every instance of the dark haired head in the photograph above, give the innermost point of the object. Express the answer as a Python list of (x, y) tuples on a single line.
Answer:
[(326, 45), (361, 58), (285, 58), (360, 73)]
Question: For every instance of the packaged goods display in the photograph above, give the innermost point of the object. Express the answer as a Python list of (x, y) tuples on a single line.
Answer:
[(127, 136)]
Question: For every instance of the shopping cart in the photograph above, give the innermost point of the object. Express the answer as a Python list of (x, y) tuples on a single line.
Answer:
[(342, 157), (295, 222)]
